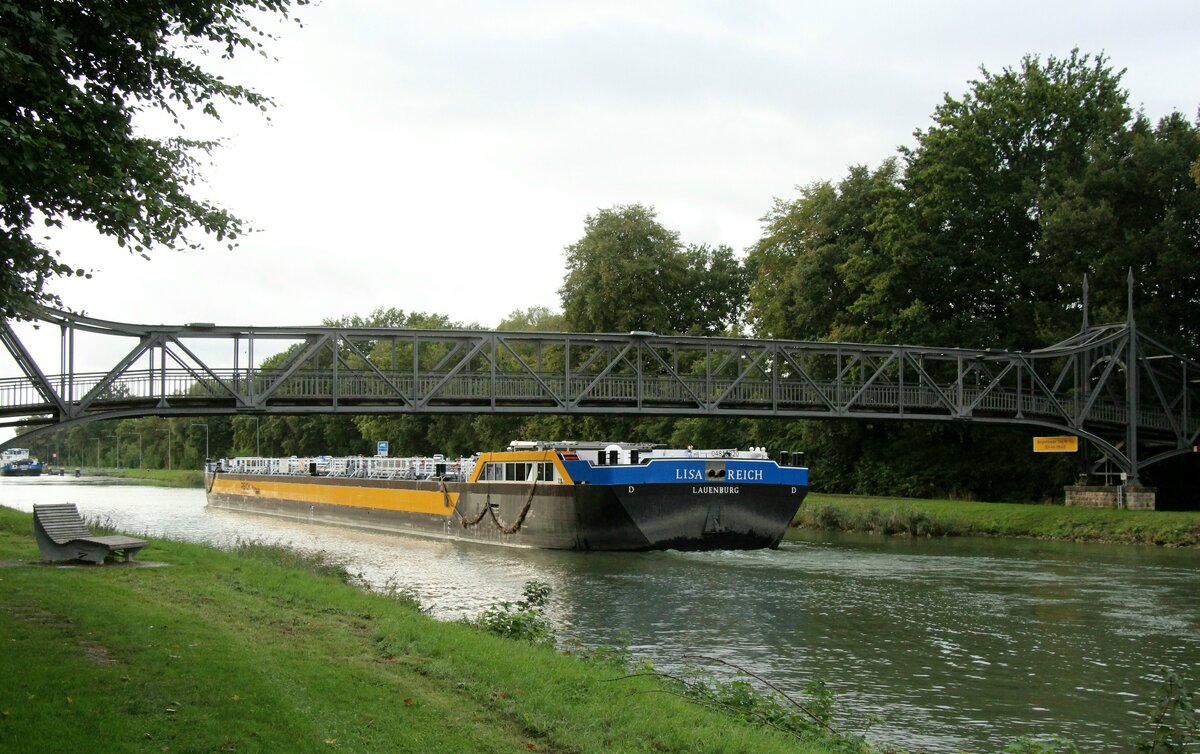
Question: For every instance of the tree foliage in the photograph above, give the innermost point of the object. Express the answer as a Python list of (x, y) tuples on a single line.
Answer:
[(814, 270), (1134, 207), (980, 235), (73, 78), (980, 185), (408, 433), (628, 273)]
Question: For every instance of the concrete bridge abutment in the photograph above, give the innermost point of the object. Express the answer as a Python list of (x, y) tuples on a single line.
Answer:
[(1111, 496)]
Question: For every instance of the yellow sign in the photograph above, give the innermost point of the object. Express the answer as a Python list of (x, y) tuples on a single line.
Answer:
[(1055, 444)]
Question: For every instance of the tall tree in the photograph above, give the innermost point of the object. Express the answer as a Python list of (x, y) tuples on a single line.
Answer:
[(716, 293), (1135, 207), (533, 319), (980, 183), (815, 269), (410, 433), (73, 77), (620, 274), (628, 272), (980, 237)]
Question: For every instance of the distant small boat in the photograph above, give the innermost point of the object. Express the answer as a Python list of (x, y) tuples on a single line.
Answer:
[(18, 462)]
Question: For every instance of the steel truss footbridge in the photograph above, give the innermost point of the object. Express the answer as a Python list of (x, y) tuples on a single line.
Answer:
[(1133, 400)]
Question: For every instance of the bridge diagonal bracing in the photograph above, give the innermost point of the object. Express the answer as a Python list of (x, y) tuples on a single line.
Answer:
[(1115, 387)]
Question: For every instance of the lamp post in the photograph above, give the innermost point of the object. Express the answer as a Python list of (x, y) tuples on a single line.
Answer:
[(205, 425), (139, 434), (118, 444), (257, 443)]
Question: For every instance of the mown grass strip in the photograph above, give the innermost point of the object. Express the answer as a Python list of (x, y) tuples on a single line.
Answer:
[(160, 477), (965, 518), (237, 651)]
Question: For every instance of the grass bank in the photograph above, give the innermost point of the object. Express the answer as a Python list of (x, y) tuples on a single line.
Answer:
[(261, 649), (938, 518), (161, 477)]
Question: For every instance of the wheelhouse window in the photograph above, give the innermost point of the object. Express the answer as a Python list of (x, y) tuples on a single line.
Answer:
[(518, 472)]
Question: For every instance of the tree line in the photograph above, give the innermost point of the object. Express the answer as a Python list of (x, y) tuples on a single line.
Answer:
[(979, 235)]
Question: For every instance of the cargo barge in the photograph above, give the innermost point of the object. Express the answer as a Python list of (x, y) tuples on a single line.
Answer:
[(571, 496)]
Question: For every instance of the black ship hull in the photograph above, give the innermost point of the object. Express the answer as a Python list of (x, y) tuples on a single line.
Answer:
[(553, 516)]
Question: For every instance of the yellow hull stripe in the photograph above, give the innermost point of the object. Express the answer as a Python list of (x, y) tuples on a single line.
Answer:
[(413, 501)]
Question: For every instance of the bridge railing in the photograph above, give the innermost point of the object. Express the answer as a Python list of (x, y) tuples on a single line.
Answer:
[(181, 387)]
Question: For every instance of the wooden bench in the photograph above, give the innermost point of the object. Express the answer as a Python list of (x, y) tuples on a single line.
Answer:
[(62, 535)]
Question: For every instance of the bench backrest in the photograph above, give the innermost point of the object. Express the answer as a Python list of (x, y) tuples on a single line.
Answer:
[(60, 521)]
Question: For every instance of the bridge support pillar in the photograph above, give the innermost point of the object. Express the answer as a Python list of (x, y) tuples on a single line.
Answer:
[(1111, 496)]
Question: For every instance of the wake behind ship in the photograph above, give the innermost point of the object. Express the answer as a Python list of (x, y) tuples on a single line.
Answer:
[(571, 496)]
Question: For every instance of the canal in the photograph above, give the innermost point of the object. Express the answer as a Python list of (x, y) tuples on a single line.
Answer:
[(950, 645)]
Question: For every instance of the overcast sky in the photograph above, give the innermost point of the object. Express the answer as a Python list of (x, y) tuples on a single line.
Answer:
[(438, 156)]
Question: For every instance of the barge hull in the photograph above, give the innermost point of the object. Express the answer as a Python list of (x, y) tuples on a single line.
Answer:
[(551, 516)]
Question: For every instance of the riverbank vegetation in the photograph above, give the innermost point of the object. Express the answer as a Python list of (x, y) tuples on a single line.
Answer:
[(945, 518), (160, 477), (264, 649), (979, 235)]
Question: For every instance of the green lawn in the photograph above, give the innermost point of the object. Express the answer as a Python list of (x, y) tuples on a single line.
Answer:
[(162, 477), (263, 650), (958, 517)]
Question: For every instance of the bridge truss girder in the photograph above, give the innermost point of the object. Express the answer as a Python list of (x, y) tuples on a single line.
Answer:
[(1083, 386)]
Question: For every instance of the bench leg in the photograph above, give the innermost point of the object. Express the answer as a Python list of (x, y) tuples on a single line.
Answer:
[(91, 554)]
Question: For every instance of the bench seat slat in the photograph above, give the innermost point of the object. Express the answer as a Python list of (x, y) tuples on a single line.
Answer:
[(115, 541)]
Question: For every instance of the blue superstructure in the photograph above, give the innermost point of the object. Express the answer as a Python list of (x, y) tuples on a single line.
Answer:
[(689, 471)]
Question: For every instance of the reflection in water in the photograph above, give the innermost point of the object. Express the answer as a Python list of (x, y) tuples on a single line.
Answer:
[(959, 644)]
